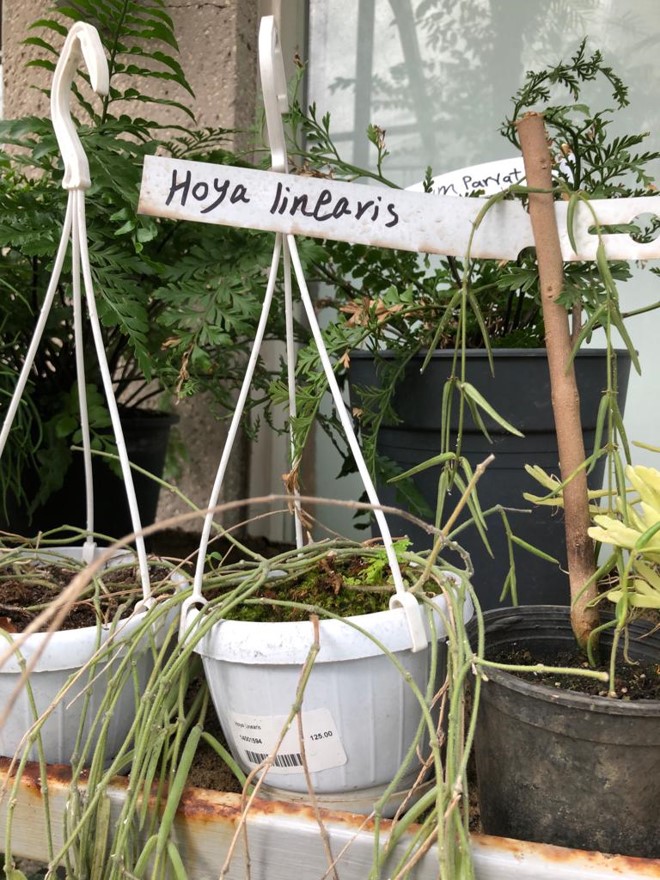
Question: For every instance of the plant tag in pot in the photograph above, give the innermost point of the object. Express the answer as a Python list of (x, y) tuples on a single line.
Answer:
[(255, 737)]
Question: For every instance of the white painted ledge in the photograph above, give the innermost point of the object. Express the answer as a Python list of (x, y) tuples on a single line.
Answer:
[(284, 840)]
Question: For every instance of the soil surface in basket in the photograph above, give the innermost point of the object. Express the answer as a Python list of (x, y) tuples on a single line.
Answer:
[(26, 589), (343, 587), (633, 681), (21, 601)]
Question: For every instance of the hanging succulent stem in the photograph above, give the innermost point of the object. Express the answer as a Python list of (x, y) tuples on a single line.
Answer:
[(564, 390)]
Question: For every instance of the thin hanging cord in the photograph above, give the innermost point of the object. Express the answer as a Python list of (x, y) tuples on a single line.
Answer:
[(39, 329), (80, 231), (235, 421), (343, 415), (291, 383), (402, 597), (90, 546)]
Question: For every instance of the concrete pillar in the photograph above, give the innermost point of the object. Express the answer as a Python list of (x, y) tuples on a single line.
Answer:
[(217, 42)]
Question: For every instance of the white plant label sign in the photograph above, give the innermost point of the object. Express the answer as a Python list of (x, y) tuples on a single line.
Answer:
[(324, 208), (374, 215), (255, 737)]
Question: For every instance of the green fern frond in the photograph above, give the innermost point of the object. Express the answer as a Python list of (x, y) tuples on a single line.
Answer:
[(138, 36)]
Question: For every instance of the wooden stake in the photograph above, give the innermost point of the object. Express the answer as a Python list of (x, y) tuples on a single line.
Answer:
[(564, 390)]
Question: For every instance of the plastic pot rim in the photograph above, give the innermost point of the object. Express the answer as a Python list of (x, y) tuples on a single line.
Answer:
[(288, 642), (444, 353), (71, 649), (545, 693)]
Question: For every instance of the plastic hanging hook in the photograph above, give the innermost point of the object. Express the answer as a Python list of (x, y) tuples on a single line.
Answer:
[(82, 42), (273, 86), (276, 103)]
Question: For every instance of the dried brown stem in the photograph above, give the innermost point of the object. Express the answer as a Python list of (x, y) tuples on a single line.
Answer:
[(564, 390), (325, 837)]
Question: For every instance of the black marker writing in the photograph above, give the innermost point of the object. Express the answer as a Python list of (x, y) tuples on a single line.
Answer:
[(324, 206), (201, 190), (395, 216)]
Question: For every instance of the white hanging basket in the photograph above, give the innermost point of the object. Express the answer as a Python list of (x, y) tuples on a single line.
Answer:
[(359, 714), (92, 653), (70, 696)]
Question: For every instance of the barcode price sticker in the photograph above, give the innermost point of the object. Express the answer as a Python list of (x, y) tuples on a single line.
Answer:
[(255, 737)]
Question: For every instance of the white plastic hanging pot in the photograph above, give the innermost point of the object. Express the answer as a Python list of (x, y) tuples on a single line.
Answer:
[(93, 652), (82, 43), (359, 714), (63, 654)]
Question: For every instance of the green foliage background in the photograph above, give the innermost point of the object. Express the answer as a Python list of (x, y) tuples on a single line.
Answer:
[(178, 302)]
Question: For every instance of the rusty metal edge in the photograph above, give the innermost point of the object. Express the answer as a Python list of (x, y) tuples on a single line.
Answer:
[(284, 840)]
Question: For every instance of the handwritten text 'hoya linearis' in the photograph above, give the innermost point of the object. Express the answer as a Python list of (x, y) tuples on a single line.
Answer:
[(324, 206)]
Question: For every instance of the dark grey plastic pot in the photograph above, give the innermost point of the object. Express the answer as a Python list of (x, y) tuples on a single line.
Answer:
[(520, 392), (560, 767), (146, 435)]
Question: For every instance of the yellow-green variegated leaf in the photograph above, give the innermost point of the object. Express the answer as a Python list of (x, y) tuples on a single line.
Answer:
[(547, 480), (646, 481), (553, 501), (644, 588), (634, 598), (649, 515), (612, 531), (543, 500), (650, 575), (635, 520)]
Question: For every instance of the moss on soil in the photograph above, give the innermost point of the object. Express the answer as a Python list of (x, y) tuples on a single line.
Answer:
[(343, 586)]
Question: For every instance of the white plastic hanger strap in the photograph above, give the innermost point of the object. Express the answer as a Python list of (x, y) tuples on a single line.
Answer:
[(111, 401), (38, 330), (197, 598), (79, 348), (273, 82), (276, 102), (291, 388), (274, 89), (401, 598), (82, 41)]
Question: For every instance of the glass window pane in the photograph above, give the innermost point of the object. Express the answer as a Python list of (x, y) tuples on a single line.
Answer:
[(437, 75)]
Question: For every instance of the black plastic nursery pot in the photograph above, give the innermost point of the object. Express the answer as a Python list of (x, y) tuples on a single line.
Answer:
[(519, 390), (559, 767), (147, 436)]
